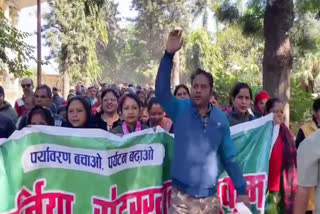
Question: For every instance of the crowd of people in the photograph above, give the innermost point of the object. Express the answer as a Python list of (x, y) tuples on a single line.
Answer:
[(201, 128)]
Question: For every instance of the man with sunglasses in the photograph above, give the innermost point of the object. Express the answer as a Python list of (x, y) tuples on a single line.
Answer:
[(27, 87)]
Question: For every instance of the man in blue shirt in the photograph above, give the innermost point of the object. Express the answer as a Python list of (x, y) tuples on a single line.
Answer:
[(202, 140)]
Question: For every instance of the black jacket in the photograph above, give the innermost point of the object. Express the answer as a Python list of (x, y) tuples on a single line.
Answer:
[(7, 127), (103, 125)]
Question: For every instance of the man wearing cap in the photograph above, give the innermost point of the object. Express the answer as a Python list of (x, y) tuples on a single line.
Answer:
[(56, 99), (6, 108), (27, 86)]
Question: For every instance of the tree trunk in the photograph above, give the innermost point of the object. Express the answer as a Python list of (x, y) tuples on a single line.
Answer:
[(176, 70), (277, 61)]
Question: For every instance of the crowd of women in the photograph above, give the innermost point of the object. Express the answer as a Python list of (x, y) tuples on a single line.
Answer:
[(125, 109)]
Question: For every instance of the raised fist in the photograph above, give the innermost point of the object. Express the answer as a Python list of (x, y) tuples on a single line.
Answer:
[(174, 42)]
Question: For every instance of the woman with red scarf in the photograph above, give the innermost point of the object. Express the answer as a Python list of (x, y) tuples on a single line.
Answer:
[(282, 182), (260, 104)]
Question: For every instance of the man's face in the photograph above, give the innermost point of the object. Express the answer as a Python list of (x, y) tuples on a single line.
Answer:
[(55, 92), (42, 98), (27, 86), (28, 102), (200, 90), (1, 99)]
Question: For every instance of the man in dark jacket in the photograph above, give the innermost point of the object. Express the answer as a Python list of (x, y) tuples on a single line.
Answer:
[(56, 99), (7, 127), (6, 108)]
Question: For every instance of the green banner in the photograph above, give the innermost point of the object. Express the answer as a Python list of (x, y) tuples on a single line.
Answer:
[(254, 141), (46, 170)]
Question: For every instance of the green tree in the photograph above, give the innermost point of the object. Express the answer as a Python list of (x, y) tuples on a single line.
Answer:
[(73, 31), (201, 9), (229, 62), (14, 52), (306, 40), (144, 41)]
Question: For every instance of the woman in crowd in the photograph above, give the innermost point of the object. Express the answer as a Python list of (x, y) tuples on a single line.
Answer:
[(130, 108), (157, 116), (260, 104), (282, 182), (79, 113), (142, 97), (182, 92), (108, 118), (40, 116), (241, 97)]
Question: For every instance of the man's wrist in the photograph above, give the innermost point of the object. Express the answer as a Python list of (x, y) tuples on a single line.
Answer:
[(169, 53)]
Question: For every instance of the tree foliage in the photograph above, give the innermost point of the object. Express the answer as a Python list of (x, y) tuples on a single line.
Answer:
[(14, 52), (73, 31), (79, 38), (229, 62), (134, 52)]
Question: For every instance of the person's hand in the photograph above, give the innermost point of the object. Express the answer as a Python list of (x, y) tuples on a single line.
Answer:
[(244, 199), (174, 42)]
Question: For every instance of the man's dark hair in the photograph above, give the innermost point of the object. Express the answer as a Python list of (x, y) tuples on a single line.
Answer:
[(152, 101), (47, 88), (270, 104), (2, 91), (316, 105), (237, 88), (91, 87), (199, 71), (178, 88)]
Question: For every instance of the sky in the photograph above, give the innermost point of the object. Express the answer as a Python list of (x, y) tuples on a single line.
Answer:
[(28, 23)]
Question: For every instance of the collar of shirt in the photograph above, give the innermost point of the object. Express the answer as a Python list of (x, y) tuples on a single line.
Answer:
[(205, 118)]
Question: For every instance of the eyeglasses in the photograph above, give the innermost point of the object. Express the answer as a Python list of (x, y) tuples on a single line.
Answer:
[(26, 85)]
